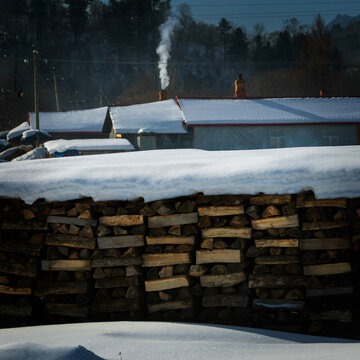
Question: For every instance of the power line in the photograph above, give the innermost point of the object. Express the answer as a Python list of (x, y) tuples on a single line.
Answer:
[(327, 3)]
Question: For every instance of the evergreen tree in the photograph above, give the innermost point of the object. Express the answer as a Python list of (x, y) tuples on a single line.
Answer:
[(77, 13), (224, 28)]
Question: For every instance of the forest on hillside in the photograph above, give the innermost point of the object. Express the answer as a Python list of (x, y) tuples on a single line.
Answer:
[(98, 54)]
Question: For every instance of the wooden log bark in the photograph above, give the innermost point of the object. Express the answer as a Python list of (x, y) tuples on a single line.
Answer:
[(277, 260), (172, 282), (28, 269), (149, 260), (79, 242), (222, 280), (275, 222), (324, 225), (15, 290), (221, 210), (301, 203), (170, 305), (276, 242), (20, 247), (67, 310), (270, 200), (327, 269), (61, 288), (278, 304), (269, 281), (67, 265), (114, 305), (71, 220), (122, 241), (325, 244), (114, 261), (170, 240), (228, 232), (118, 281), (332, 291), (122, 220), (24, 225), (16, 310), (344, 316), (170, 220), (221, 300), (217, 256)]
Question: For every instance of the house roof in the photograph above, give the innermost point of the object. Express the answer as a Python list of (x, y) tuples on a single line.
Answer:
[(59, 146), (162, 117), (276, 111), (79, 121)]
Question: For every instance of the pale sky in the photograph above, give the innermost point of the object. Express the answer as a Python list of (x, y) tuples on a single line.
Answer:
[(270, 13)]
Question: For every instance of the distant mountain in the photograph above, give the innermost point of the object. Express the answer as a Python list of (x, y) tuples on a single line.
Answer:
[(342, 20)]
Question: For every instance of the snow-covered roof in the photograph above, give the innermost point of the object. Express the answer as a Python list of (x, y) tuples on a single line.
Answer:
[(60, 146), (160, 174), (204, 112), (18, 131), (29, 134), (80, 121), (162, 117)]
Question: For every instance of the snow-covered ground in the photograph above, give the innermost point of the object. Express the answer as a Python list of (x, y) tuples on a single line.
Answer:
[(329, 171), (166, 341)]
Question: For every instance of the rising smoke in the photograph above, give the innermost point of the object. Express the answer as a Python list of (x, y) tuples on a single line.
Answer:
[(163, 50)]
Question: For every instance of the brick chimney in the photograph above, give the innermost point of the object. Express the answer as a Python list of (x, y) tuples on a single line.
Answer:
[(240, 91), (163, 95)]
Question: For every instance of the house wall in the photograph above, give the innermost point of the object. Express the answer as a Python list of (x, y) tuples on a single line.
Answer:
[(259, 137), (285, 262)]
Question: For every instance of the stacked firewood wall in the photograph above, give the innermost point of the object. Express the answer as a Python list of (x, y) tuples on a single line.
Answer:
[(116, 263), (277, 278), (22, 234), (63, 285), (326, 261), (287, 262), (171, 238), (220, 263)]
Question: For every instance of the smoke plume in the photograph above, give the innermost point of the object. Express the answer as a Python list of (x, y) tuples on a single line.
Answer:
[(163, 50)]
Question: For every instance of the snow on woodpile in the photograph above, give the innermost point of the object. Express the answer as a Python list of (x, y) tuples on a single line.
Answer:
[(271, 111), (90, 120), (18, 131), (329, 171), (38, 153), (60, 146), (161, 117)]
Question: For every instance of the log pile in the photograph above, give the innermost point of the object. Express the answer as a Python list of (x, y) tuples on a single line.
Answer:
[(286, 262), (63, 285), (22, 235), (116, 263), (170, 239), (326, 260), (276, 279), (220, 264)]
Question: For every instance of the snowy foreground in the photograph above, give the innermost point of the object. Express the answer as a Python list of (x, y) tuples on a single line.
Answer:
[(166, 341), (329, 171)]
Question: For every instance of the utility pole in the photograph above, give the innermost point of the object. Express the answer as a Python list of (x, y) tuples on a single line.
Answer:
[(56, 91), (77, 99), (101, 98), (36, 97)]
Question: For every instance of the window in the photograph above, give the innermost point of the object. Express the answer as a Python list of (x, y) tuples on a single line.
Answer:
[(331, 138), (277, 139)]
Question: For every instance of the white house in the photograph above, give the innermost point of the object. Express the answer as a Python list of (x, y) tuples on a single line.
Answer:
[(233, 123), (90, 123), (156, 125)]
